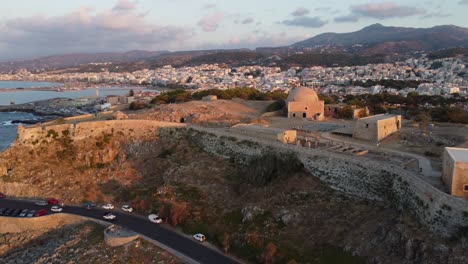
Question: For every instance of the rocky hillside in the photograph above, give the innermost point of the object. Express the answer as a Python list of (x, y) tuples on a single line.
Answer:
[(381, 39), (266, 211), (75, 244)]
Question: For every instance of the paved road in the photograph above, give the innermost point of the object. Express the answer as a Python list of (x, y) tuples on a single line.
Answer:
[(185, 246)]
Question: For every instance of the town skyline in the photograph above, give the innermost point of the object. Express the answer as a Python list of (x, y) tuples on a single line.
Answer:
[(30, 29)]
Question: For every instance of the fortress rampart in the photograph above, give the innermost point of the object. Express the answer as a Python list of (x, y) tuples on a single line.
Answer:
[(356, 176), (81, 131)]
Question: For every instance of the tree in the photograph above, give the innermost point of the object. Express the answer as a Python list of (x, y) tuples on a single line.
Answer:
[(226, 242), (269, 254)]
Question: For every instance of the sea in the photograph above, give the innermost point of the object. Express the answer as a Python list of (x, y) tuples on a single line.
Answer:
[(8, 130)]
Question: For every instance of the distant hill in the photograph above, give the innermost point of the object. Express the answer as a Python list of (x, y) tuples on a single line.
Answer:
[(76, 59), (379, 39)]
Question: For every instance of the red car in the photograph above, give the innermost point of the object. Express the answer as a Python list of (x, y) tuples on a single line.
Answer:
[(41, 212), (52, 201), (2, 195)]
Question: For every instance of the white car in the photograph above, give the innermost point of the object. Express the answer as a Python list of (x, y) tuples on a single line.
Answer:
[(56, 208), (155, 218), (108, 206), (199, 237), (127, 208), (41, 203), (109, 216)]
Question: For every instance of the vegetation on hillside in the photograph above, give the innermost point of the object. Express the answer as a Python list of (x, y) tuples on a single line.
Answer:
[(179, 95), (439, 108), (328, 60)]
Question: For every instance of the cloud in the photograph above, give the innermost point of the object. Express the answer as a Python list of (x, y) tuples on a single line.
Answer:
[(124, 5), (323, 8), (385, 10), (248, 20), (119, 29), (211, 22), (435, 14), (463, 2), (209, 6), (346, 19), (310, 22), (301, 11)]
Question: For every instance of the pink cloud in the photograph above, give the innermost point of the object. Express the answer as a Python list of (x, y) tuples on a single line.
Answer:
[(211, 22)]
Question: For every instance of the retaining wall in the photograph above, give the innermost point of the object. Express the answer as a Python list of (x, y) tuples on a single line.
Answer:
[(17, 225)]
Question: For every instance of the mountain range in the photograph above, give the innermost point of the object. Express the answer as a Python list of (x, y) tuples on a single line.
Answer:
[(381, 39), (372, 40)]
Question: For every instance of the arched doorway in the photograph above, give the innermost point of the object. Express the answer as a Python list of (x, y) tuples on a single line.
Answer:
[(182, 120)]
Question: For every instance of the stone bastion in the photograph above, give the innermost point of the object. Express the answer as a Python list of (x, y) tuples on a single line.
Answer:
[(354, 176)]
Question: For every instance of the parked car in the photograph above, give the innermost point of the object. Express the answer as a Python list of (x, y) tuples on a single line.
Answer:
[(16, 212), (89, 205), (41, 203), (2, 195), (127, 208), (56, 208), (31, 213), (8, 212), (109, 216), (108, 206), (41, 212), (155, 218), (52, 201), (199, 237), (23, 213)]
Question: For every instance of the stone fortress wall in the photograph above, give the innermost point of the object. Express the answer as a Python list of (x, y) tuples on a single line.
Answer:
[(81, 131), (355, 176)]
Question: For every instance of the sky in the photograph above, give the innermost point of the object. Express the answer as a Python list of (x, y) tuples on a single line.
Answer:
[(32, 28)]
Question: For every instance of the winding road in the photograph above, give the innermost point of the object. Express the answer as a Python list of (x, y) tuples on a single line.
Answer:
[(189, 248)]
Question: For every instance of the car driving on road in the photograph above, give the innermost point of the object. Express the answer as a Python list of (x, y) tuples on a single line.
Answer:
[(2, 195), (199, 237), (155, 218), (89, 205), (109, 216), (56, 208), (108, 206), (52, 201), (127, 208)]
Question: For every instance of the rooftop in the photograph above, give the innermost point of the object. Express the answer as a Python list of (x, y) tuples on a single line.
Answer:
[(377, 117), (458, 154)]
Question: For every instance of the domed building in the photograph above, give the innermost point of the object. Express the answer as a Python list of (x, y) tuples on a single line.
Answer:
[(303, 102)]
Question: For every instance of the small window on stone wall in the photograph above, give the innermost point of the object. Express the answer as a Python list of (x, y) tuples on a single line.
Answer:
[(465, 188), (367, 125)]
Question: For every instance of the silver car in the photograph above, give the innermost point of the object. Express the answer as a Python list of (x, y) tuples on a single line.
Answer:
[(31, 213), (23, 213)]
